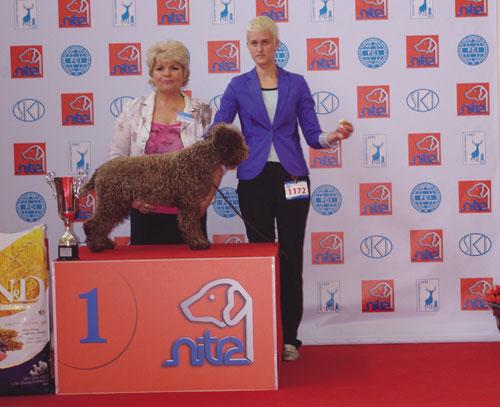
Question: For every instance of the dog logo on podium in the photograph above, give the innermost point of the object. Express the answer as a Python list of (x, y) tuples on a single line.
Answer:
[(224, 303)]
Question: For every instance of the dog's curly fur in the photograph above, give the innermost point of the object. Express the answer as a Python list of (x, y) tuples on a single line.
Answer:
[(183, 179)]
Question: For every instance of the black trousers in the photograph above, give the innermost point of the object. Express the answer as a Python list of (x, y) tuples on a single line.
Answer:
[(157, 228), (262, 202)]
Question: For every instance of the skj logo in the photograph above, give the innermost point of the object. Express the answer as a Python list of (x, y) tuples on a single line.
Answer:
[(323, 54), (30, 159), (125, 59), (329, 296), (223, 12), (26, 61), (428, 295), (223, 303), (473, 293), (172, 12), (327, 247), (373, 102), (474, 152), (471, 8), (375, 198), (26, 14), (426, 245), (424, 149), (372, 10), (475, 244), (28, 110), (275, 9), (377, 295), (422, 51), (374, 150), (474, 196), (327, 157), (223, 56), (74, 13), (77, 109), (473, 99), (376, 246)]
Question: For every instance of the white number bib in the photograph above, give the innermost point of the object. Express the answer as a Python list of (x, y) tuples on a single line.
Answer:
[(296, 190)]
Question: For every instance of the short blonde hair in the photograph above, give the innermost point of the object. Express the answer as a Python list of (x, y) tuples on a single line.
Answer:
[(170, 50), (263, 23)]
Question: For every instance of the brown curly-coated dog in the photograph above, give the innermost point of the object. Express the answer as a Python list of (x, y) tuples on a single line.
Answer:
[(183, 179)]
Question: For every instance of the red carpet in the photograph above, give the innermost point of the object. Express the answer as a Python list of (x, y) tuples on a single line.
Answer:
[(458, 374)]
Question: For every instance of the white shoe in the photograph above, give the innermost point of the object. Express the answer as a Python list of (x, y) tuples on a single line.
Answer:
[(290, 353)]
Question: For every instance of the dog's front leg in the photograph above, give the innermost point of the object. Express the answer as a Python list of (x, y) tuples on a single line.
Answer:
[(189, 225)]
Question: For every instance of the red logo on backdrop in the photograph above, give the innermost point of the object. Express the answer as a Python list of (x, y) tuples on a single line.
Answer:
[(327, 157), (422, 51), (30, 159), (26, 61), (375, 198), (372, 10), (373, 102), (473, 99), (74, 13), (172, 12), (426, 245), (125, 59), (327, 247), (229, 238), (471, 8), (85, 206), (323, 54), (77, 109), (424, 149), (275, 9), (224, 56), (474, 196), (377, 295), (473, 293)]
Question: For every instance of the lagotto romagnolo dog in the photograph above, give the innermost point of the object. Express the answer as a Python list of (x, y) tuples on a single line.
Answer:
[(183, 179)]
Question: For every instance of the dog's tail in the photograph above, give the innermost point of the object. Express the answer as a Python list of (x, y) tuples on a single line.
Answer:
[(89, 185)]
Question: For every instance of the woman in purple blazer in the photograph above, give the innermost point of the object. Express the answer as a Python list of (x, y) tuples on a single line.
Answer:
[(273, 182)]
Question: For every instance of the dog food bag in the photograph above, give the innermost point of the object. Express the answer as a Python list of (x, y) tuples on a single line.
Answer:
[(24, 318)]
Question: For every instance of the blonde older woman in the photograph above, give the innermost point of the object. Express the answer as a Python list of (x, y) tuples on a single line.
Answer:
[(273, 186), (164, 121)]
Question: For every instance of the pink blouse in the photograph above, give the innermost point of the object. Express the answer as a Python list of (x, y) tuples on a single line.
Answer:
[(164, 138)]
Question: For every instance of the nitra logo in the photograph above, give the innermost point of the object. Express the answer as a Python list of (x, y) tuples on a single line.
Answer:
[(326, 157), (326, 200), (282, 55), (375, 198), (474, 196), (77, 109), (223, 12), (473, 99), (124, 13), (76, 60), (426, 245), (116, 106), (329, 296), (26, 61), (223, 56), (26, 14), (327, 247), (224, 303), (471, 8), (473, 50), (374, 150), (373, 52), (30, 159), (377, 295), (371, 10), (172, 12), (325, 102), (475, 244), (422, 100), (30, 206), (473, 293), (424, 149), (28, 110), (275, 9), (323, 54), (125, 59), (428, 295), (422, 9), (422, 51), (474, 152), (74, 13), (425, 197), (373, 102), (85, 207), (226, 202), (376, 246)]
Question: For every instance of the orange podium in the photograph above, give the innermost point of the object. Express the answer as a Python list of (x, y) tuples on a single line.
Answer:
[(166, 318)]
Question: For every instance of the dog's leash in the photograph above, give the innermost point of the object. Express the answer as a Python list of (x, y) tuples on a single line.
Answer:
[(249, 224)]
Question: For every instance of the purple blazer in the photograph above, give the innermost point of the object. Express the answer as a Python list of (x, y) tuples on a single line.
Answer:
[(295, 106)]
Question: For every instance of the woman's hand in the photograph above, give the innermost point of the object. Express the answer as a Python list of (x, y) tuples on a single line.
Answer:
[(142, 206), (343, 131)]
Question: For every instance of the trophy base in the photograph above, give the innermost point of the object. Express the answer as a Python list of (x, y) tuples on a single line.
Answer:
[(67, 253)]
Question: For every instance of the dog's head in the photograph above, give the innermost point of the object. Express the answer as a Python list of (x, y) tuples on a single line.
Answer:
[(229, 143)]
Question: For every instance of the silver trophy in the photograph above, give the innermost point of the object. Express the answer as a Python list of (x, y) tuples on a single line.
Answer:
[(66, 190)]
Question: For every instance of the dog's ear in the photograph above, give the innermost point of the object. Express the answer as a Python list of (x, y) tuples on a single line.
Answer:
[(229, 143)]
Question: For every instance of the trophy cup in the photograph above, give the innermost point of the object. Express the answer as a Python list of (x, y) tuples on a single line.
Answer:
[(65, 190)]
